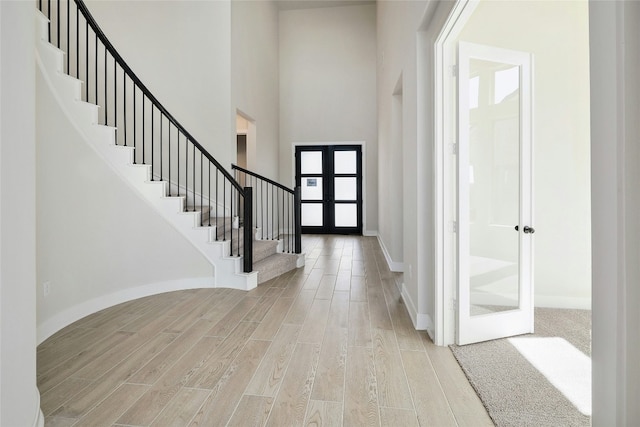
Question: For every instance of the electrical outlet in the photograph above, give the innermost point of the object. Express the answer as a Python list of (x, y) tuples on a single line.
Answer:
[(46, 288)]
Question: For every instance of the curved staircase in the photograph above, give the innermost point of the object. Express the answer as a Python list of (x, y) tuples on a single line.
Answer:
[(200, 214)]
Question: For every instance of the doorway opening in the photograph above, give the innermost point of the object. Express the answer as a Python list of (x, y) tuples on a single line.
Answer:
[(560, 158), (483, 165), (245, 142)]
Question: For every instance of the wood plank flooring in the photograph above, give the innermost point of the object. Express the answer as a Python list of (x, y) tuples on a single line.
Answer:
[(330, 344)]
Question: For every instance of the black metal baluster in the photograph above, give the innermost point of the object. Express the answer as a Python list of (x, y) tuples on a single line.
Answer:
[(201, 190), (68, 41), (287, 212), (224, 208), (178, 162), (86, 62), (77, 42), (280, 214), (49, 18), (273, 214), (58, 23), (169, 156), (217, 171), (231, 191), (153, 132), (161, 114), (135, 119), (193, 181), (124, 104), (115, 98), (186, 171), (269, 219), (96, 83), (143, 128), (106, 99), (209, 190)]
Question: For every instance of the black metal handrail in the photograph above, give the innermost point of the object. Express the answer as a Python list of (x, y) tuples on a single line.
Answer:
[(263, 178), (277, 209), (171, 151)]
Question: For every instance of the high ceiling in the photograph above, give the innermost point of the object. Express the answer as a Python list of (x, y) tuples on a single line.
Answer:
[(312, 4)]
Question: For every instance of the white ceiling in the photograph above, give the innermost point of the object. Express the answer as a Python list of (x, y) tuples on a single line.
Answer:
[(312, 4)]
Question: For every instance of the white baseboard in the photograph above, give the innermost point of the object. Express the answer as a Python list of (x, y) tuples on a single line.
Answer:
[(396, 266), (422, 322), (38, 420), (552, 301), (77, 312), (370, 233)]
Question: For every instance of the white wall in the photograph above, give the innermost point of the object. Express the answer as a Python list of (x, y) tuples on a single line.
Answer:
[(254, 79), (561, 135), (405, 52), (19, 397), (181, 50), (98, 242), (615, 101), (328, 87), (390, 185)]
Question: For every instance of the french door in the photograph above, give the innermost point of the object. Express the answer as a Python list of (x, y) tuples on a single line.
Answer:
[(494, 178), (330, 178)]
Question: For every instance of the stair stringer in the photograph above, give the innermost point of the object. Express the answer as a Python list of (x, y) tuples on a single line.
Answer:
[(84, 117)]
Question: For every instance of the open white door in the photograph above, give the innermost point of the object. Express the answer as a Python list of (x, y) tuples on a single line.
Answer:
[(495, 224)]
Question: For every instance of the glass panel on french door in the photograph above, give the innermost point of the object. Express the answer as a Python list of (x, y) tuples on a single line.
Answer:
[(346, 214), (312, 189), (346, 188), (345, 162), (311, 162), (494, 186), (312, 215)]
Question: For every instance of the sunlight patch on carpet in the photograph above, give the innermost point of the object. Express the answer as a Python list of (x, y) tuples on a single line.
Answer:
[(566, 367)]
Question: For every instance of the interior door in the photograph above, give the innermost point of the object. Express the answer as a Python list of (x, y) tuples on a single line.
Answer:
[(494, 175), (330, 178)]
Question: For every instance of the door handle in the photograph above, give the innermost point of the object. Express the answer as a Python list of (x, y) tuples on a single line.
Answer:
[(526, 229)]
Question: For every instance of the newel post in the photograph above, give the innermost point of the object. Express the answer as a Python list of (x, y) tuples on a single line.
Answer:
[(248, 230), (297, 215)]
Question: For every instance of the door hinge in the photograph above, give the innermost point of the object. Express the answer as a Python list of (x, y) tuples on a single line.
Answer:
[(454, 304), (454, 226), (454, 70), (454, 148)]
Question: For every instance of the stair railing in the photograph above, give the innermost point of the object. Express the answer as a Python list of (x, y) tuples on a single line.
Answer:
[(143, 123), (276, 209)]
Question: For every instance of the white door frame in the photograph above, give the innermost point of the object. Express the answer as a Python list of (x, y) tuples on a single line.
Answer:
[(610, 137), (446, 118), (363, 146)]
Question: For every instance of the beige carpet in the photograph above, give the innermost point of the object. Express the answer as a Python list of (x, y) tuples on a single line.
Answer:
[(514, 392)]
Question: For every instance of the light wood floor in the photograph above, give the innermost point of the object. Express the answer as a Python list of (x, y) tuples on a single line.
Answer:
[(331, 344)]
